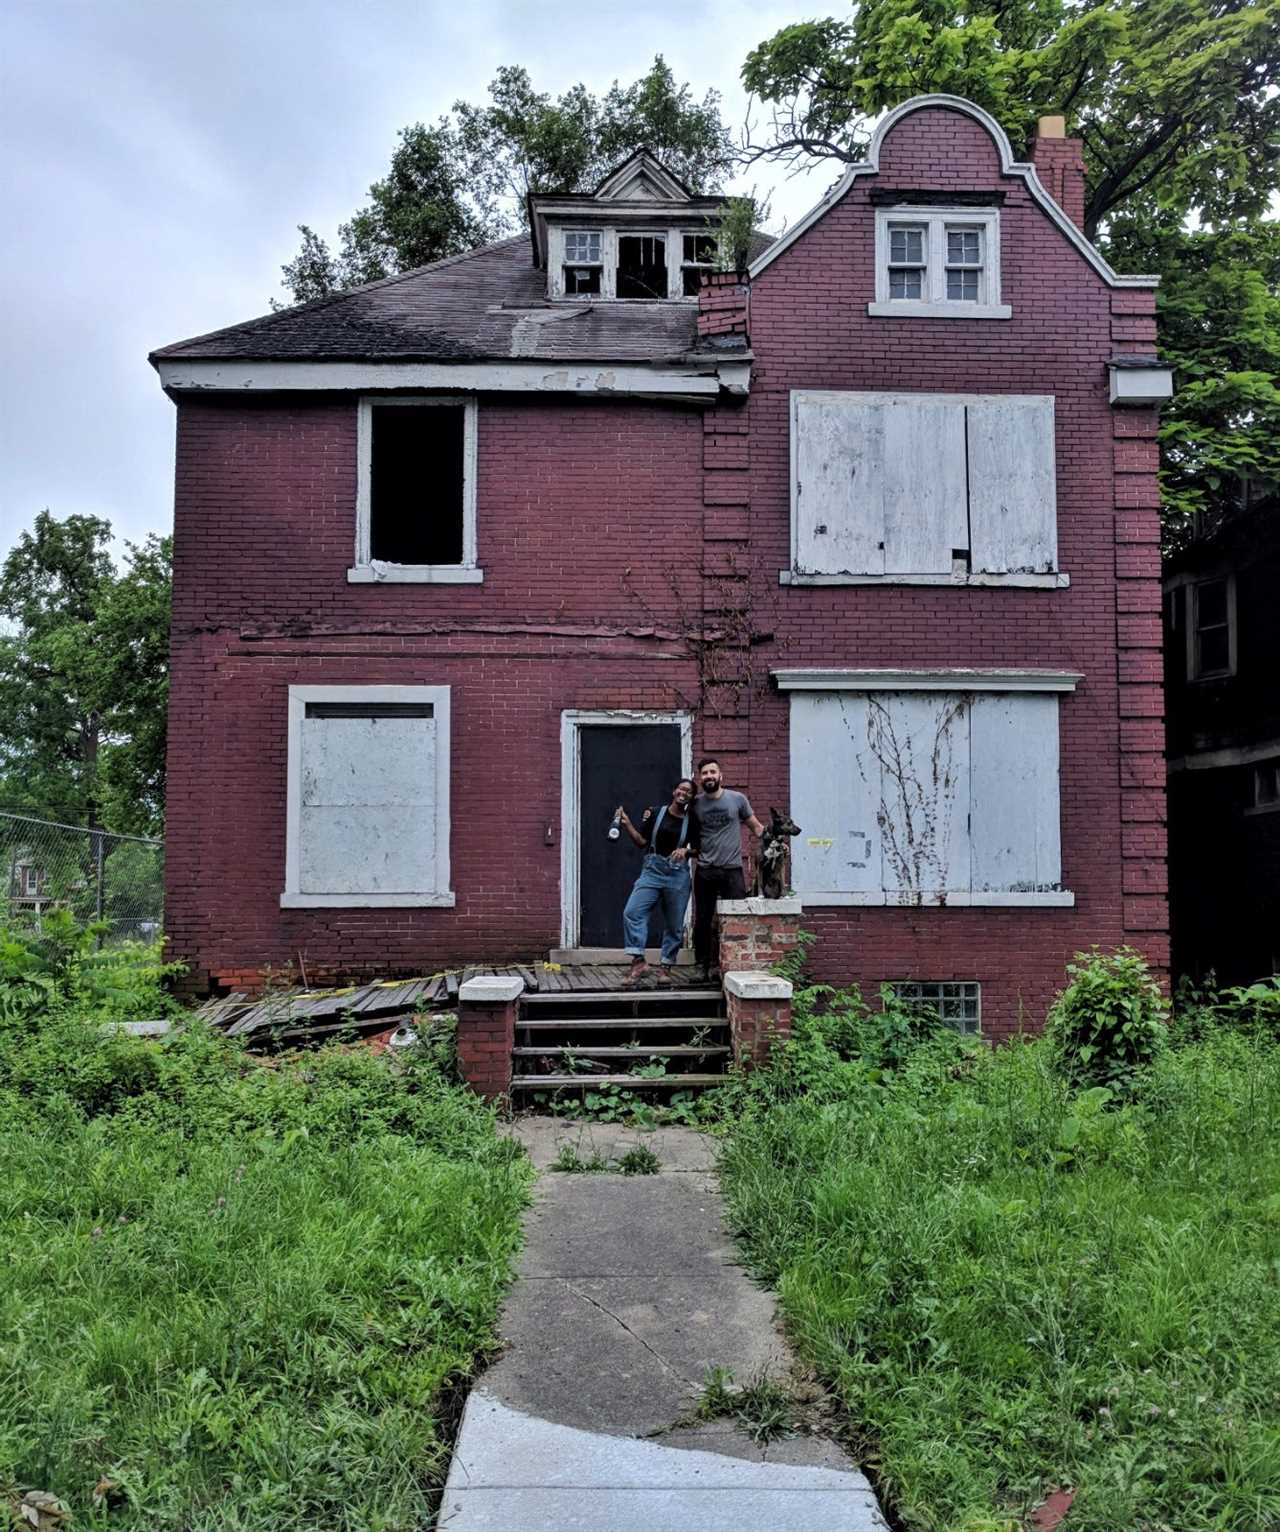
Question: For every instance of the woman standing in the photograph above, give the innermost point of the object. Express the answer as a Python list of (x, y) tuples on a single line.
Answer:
[(668, 839)]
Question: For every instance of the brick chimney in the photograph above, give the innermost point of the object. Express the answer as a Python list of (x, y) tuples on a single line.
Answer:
[(722, 305), (1059, 163)]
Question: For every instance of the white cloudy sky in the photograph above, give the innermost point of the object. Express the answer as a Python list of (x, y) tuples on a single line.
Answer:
[(158, 155)]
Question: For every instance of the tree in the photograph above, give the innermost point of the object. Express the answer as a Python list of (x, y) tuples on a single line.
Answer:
[(463, 182), (1176, 103), (83, 676)]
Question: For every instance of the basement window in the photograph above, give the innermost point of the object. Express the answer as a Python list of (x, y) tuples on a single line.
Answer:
[(415, 492), (957, 1004), (700, 253), (583, 262), (642, 266)]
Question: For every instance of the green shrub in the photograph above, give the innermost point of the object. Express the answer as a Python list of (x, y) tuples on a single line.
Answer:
[(1253, 1009), (1108, 1025), (58, 962)]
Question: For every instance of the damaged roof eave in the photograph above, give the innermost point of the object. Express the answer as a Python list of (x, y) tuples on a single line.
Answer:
[(694, 374)]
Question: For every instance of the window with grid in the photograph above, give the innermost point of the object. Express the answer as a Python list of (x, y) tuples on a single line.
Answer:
[(583, 261), (699, 253), (938, 261), (964, 264), (908, 263), (957, 1004), (1212, 644)]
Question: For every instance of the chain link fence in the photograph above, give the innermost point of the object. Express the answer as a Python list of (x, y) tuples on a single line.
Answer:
[(118, 879)]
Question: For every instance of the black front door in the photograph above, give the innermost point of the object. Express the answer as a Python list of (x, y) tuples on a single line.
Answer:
[(636, 765)]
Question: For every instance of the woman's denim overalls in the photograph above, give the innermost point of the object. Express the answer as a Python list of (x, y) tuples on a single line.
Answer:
[(661, 882)]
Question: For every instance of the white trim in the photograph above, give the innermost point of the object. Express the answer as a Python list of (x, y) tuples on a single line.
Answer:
[(1140, 385), (1008, 166), (748, 985), (571, 721), (1049, 898), (944, 679), (1055, 581), (702, 380), (368, 570), (491, 989), (937, 305), (1233, 755), (299, 696)]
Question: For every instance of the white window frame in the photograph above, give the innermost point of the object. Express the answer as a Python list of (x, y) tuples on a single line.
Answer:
[(935, 304), (682, 265), (952, 680), (442, 895), (369, 571), (601, 265)]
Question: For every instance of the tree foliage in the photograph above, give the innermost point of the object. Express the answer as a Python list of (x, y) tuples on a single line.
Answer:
[(84, 675), (463, 181), (1177, 105)]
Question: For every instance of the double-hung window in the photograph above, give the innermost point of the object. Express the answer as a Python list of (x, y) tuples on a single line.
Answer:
[(923, 489), (1212, 630), (416, 491), (368, 796), (583, 261), (927, 787), (938, 264), (699, 253)]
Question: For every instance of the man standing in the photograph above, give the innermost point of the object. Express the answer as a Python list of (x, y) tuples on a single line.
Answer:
[(720, 813)]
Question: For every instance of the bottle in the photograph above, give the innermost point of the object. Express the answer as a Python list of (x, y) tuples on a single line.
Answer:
[(615, 829)]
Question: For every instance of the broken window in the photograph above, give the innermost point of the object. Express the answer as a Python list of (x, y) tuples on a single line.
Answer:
[(700, 253), (583, 262), (416, 483), (1212, 638), (642, 266), (956, 1004)]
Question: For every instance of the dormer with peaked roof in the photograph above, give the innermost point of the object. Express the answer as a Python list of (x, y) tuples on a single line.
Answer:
[(641, 236)]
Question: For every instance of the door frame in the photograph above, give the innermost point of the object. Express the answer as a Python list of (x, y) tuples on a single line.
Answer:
[(572, 720)]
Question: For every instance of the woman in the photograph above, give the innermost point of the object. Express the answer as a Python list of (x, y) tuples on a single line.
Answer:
[(667, 840)]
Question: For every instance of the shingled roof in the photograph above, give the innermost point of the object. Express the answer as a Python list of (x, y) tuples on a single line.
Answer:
[(489, 304)]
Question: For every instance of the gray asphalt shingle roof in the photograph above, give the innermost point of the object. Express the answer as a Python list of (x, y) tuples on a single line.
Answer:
[(487, 304)]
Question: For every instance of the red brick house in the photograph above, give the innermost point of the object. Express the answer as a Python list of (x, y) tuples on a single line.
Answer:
[(465, 557)]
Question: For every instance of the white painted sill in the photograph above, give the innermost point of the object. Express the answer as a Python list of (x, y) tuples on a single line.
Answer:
[(438, 901), (1059, 898), (914, 308), (414, 574), (1053, 580)]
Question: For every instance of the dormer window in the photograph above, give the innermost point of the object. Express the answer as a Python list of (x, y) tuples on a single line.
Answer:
[(583, 261), (700, 253), (642, 266)]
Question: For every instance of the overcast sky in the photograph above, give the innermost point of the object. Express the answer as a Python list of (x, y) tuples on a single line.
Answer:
[(158, 155)]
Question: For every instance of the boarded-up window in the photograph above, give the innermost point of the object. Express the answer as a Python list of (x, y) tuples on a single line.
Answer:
[(368, 788), (925, 794), (915, 484)]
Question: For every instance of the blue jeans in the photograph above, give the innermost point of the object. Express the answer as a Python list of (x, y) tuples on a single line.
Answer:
[(666, 884)]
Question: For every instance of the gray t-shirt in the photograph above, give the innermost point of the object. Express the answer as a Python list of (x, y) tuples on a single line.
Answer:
[(720, 819)]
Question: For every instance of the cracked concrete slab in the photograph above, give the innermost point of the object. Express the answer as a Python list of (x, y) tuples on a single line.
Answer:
[(630, 1289)]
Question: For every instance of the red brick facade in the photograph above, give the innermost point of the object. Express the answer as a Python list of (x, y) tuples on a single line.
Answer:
[(614, 536)]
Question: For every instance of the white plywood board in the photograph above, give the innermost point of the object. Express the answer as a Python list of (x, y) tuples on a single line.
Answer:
[(835, 796), (921, 742), (925, 514), (1013, 517), (349, 849), (838, 489), (1015, 844), (388, 762)]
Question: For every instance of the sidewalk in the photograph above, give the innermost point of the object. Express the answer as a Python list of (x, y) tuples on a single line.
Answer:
[(628, 1293)]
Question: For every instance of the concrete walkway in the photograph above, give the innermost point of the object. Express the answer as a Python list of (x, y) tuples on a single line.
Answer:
[(628, 1293)]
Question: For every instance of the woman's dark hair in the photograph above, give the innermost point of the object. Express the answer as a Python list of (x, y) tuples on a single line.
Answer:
[(689, 780)]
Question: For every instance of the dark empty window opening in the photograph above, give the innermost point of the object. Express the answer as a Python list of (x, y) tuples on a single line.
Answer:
[(416, 484), (642, 266), (370, 710), (1213, 629), (581, 279)]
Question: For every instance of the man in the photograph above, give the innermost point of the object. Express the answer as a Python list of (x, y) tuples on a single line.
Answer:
[(720, 813)]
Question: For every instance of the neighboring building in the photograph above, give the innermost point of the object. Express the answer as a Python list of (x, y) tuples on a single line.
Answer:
[(1222, 639), (467, 556)]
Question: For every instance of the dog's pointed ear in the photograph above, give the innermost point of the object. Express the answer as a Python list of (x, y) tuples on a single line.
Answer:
[(774, 813)]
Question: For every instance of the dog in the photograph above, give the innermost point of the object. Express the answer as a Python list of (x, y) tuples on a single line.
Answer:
[(774, 873)]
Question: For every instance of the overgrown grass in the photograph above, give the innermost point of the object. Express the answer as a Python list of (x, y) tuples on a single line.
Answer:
[(1013, 1286), (239, 1295)]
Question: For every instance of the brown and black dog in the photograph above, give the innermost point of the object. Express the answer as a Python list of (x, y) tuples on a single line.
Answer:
[(773, 876)]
